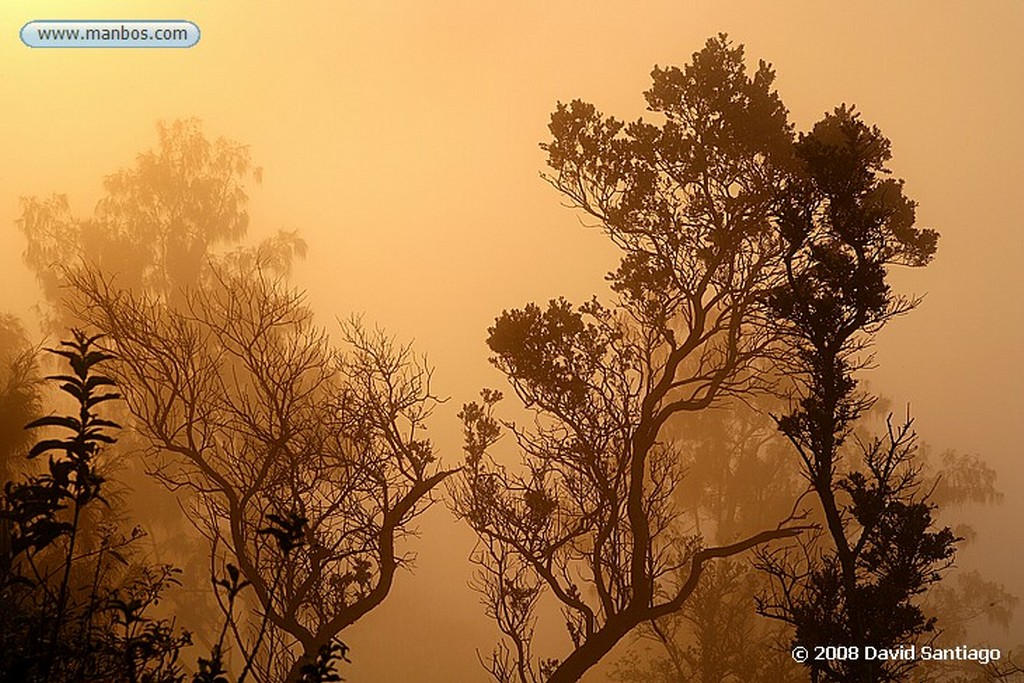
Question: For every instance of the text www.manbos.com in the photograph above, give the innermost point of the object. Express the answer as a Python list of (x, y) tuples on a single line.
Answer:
[(91, 33), (114, 34)]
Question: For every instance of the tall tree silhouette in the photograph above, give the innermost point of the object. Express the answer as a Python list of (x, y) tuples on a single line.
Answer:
[(845, 222), (247, 407), (589, 518)]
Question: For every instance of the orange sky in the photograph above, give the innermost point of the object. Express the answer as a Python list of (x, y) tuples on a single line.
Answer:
[(401, 140)]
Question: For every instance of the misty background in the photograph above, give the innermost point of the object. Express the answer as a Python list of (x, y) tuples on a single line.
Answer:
[(400, 140)]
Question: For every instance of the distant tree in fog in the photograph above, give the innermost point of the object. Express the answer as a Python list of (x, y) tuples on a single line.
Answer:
[(247, 406), (20, 386), (159, 224), (589, 517)]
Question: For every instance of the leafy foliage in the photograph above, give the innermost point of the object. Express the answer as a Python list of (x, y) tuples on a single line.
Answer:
[(74, 606)]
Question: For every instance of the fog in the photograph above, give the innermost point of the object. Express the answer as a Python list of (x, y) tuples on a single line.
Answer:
[(401, 141)]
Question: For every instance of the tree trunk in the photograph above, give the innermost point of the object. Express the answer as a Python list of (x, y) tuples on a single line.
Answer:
[(592, 651)]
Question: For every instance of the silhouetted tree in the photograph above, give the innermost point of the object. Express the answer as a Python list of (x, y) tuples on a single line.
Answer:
[(845, 222), (589, 518), (73, 606), (247, 407)]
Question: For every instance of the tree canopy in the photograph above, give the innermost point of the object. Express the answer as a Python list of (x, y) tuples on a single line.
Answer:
[(247, 407), (589, 517)]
